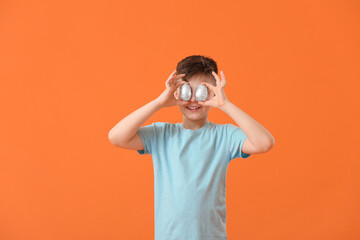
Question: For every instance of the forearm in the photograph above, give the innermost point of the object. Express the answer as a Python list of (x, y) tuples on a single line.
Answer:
[(127, 128), (256, 133)]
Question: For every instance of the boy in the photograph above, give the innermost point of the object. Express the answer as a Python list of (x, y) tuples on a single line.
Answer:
[(190, 159)]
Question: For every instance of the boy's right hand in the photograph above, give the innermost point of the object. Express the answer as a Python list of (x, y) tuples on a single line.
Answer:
[(170, 97)]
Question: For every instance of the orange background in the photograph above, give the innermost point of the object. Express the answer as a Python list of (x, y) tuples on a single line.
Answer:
[(70, 70)]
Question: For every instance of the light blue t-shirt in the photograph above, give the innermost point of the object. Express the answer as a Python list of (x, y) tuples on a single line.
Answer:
[(189, 177)]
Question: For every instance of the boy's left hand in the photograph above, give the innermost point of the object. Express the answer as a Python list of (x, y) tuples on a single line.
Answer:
[(220, 98)]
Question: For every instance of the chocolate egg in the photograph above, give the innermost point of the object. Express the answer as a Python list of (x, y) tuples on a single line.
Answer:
[(201, 93), (185, 92)]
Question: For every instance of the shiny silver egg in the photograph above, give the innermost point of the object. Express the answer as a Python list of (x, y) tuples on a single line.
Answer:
[(201, 93), (185, 92)]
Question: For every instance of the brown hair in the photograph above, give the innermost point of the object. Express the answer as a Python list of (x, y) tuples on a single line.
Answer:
[(197, 65)]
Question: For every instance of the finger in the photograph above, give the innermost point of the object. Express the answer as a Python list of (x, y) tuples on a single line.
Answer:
[(176, 85), (181, 102), (222, 75), (211, 87), (167, 82), (179, 76), (223, 79), (180, 83), (205, 104), (176, 94), (174, 79), (216, 77), (172, 74)]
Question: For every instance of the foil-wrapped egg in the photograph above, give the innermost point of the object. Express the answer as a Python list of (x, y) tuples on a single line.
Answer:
[(201, 93), (185, 92)]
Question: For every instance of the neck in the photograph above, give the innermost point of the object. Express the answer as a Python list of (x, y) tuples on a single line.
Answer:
[(194, 124)]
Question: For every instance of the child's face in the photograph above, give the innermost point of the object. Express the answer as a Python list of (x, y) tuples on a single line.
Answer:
[(200, 113)]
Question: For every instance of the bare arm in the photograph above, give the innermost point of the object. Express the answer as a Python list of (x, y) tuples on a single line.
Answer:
[(126, 129), (258, 139), (124, 133)]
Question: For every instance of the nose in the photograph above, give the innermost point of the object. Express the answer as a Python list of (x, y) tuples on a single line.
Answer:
[(193, 99)]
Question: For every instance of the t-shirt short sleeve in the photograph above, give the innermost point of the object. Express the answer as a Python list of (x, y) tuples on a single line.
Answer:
[(147, 135), (236, 138)]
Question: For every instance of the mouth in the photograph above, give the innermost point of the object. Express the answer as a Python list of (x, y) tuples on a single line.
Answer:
[(192, 109)]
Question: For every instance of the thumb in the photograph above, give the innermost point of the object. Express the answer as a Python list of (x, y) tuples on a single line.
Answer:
[(205, 104), (175, 95)]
